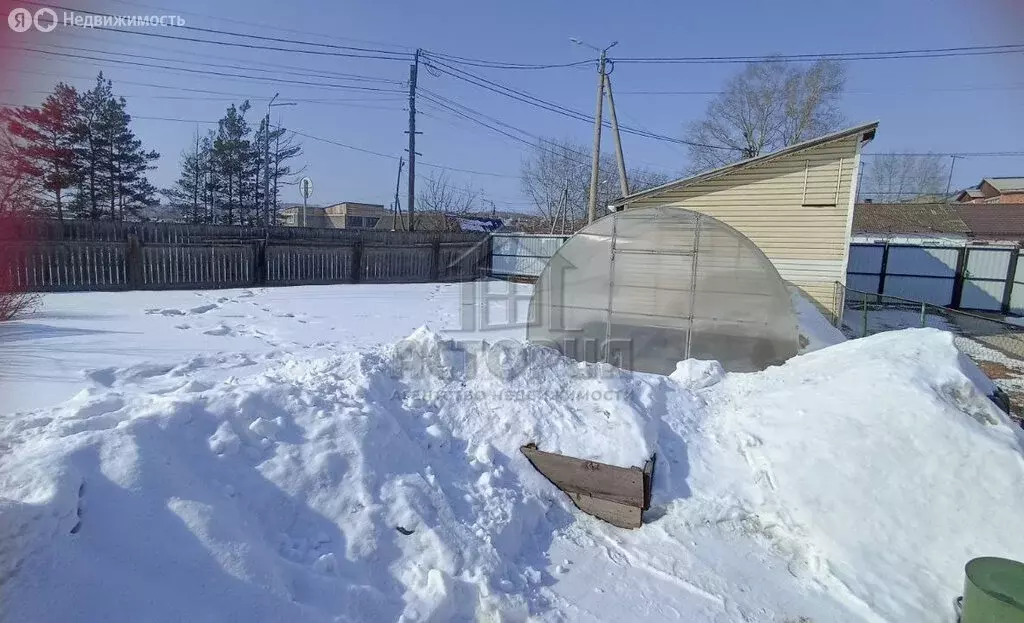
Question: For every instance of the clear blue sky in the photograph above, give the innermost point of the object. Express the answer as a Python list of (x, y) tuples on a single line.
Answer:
[(949, 104)]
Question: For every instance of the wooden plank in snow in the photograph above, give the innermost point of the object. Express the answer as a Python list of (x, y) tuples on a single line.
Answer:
[(614, 494), (620, 515)]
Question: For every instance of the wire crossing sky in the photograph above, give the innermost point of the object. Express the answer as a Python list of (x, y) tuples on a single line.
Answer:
[(941, 76)]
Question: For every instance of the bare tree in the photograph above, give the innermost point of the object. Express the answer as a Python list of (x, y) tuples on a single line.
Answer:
[(768, 106), (556, 167), (893, 178), (442, 196)]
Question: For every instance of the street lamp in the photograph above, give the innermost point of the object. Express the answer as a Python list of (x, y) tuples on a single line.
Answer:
[(266, 159), (603, 52)]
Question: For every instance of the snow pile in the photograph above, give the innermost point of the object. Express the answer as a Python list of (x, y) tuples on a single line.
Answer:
[(877, 466), (851, 483), (372, 486)]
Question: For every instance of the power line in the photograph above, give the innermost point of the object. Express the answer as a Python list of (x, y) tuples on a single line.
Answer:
[(374, 52), (387, 56), (208, 72), (292, 69), (965, 154), (1012, 87), (328, 141), (380, 98), (345, 145), (88, 36), (445, 104), (275, 27), (477, 62), (1009, 48), (377, 52), (565, 152), (533, 100), (391, 157)]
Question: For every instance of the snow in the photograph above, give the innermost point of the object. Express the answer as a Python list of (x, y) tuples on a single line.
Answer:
[(816, 331), (329, 458)]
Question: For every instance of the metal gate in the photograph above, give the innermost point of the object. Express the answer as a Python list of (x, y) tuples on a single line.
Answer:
[(985, 278)]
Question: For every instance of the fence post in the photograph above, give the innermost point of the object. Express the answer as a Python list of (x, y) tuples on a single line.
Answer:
[(259, 263), (958, 277), (1011, 276), (485, 262), (357, 260), (838, 304), (435, 251), (134, 260), (883, 269), (864, 314), (922, 315)]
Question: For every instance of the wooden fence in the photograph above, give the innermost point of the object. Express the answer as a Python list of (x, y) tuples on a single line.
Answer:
[(55, 256)]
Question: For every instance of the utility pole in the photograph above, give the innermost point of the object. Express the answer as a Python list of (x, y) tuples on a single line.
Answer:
[(623, 181), (595, 164), (198, 182), (266, 159), (596, 153), (398, 207), (949, 181), (266, 162), (410, 201)]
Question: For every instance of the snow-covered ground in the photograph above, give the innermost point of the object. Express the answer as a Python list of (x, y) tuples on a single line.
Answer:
[(313, 454)]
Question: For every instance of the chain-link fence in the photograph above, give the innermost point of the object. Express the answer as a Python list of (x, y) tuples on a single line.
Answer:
[(978, 336)]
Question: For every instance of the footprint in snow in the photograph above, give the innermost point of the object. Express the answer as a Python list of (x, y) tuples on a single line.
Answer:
[(202, 309), (219, 330), (165, 312)]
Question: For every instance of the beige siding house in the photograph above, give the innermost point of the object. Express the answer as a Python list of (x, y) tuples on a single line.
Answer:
[(796, 204)]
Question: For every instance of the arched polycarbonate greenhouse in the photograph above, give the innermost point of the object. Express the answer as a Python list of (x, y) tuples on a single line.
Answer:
[(646, 288)]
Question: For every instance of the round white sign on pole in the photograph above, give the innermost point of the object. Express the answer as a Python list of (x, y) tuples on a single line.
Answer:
[(306, 187)]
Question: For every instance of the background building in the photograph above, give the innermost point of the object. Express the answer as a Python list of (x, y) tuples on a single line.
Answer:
[(344, 215)]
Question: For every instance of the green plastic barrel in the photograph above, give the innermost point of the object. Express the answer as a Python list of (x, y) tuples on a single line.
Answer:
[(993, 591)]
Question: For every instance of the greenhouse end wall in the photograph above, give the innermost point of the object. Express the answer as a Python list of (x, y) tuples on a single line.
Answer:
[(644, 289)]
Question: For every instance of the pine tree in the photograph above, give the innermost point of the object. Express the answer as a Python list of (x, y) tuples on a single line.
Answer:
[(187, 196), (232, 156), (112, 163), (126, 163), (211, 180), (92, 150), (44, 140)]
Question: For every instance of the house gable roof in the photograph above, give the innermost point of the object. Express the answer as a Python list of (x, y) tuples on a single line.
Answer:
[(1006, 184), (866, 130)]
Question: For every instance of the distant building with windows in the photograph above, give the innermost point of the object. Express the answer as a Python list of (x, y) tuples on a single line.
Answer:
[(344, 215)]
